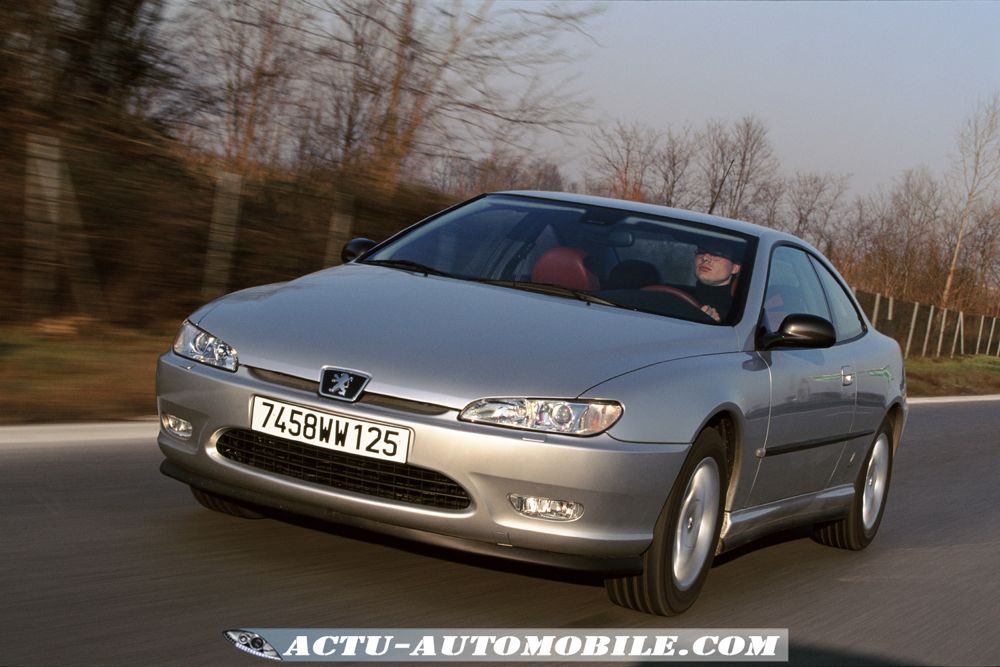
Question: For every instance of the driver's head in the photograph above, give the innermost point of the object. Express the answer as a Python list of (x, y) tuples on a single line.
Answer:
[(716, 264)]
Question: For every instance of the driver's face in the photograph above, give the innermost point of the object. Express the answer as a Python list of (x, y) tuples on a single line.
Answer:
[(714, 270)]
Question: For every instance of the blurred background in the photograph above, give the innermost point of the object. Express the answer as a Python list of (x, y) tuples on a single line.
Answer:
[(155, 155)]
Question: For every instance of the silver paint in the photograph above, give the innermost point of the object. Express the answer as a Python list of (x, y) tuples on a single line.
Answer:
[(448, 342)]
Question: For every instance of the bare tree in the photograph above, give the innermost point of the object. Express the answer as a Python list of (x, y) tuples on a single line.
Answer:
[(984, 243), (754, 165), (913, 230), (850, 249), (29, 61), (246, 55), (674, 166), (419, 80), (814, 202), (975, 174), (737, 167), (715, 162), (623, 160), (892, 240), (99, 59), (501, 170), (544, 174), (769, 203), (724, 169), (76, 77)]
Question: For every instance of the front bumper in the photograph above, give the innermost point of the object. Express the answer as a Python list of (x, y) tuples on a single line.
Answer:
[(621, 485)]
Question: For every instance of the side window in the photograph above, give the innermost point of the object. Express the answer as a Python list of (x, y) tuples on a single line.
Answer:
[(845, 318), (792, 287)]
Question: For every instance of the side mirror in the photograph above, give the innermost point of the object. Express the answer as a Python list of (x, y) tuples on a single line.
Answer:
[(355, 248), (799, 330)]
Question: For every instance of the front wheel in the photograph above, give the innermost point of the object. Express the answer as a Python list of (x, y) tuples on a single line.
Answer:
[(871, 488), (677, 562)]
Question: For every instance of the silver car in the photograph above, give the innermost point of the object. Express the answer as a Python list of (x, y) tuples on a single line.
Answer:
[(550, 378)]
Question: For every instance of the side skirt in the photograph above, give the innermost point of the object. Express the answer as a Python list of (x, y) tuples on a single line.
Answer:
[(746, 525)]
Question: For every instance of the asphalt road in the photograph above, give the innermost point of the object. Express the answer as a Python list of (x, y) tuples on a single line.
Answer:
[(105, 562)]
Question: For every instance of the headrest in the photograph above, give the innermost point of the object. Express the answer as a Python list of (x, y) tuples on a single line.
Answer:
[(564, 267)]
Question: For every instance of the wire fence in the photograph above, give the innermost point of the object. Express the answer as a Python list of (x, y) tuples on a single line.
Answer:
[(923, 330)]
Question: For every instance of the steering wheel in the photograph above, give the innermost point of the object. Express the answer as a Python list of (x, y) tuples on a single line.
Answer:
[(674, 292), (680, 295)]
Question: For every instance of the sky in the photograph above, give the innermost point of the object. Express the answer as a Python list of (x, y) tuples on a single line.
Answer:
[(868, 89)]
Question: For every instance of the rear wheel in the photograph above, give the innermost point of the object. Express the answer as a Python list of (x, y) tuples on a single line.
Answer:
[(871, 488), (677, 562), (224, 505)]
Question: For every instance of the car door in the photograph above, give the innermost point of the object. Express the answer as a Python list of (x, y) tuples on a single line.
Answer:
[(871, 373), (813, 391)]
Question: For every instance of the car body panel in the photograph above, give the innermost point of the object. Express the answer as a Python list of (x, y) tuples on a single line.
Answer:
[(561, 346), (734, 384), (490, 463), (808, 397)]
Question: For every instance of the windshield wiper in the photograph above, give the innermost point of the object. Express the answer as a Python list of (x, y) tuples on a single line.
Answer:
[(408, 265), (550, 288), (543, 288)]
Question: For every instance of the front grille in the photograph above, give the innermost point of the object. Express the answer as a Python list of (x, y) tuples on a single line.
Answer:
[(383, 479), (367, 398)]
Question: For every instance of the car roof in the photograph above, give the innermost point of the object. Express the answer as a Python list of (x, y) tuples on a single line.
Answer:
[(748, 228)]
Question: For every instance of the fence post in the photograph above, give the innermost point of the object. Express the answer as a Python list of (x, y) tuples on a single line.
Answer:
[(944, 322), (222, 235), (41, 231), (979, 338), (913, 323), (84, 283), (961, 341), (55, 234), (339, 229), (891, 300), (878, 300), (927, 335), (959, 326), (989, 342)]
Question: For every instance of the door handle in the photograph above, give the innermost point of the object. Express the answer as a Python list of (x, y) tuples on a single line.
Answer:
[(847, 375)]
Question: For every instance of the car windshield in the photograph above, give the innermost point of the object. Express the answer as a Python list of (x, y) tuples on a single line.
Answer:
[(599, 254)]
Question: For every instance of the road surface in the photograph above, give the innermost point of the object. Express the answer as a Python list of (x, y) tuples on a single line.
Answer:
[(103, 561)]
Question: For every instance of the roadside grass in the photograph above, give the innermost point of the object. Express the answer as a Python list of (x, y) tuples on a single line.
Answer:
[(89, 372), (958, 376)]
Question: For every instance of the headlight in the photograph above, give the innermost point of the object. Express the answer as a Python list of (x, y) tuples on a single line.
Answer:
[(545, 414), (201, 346)]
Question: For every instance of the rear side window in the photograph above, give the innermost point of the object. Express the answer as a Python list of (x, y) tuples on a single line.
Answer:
[(845, 320)]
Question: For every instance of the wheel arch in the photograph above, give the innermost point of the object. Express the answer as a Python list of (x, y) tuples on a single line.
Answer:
[(728, 425), (896, 416)]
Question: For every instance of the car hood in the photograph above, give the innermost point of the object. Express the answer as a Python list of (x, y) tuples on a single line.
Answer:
[(446, 341)]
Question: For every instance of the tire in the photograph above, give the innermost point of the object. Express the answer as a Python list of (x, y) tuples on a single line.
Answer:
[(223, 505), (871, 490), (685, 537)]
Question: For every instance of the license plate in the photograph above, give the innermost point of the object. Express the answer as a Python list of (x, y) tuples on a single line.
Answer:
[(329, 430)]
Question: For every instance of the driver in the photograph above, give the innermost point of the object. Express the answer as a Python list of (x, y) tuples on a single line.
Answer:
[(716, 266)]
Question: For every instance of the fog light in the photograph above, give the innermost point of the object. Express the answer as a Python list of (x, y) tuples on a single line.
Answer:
[(176, 426), (546, 508)]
